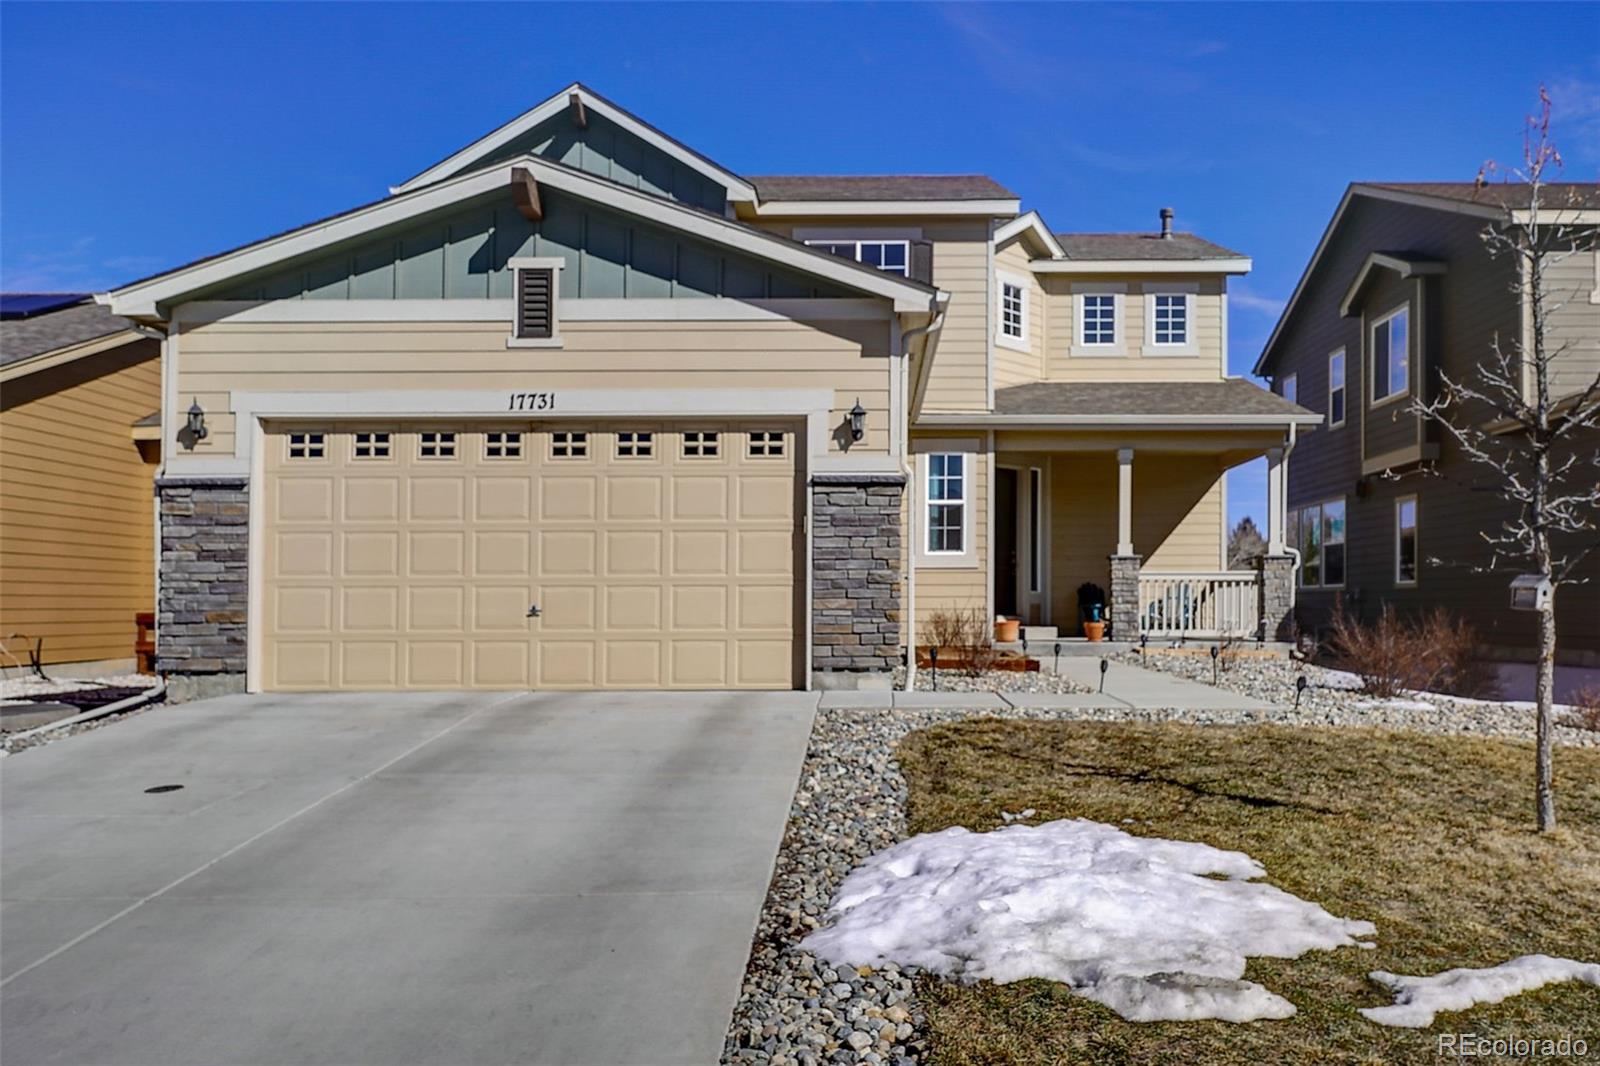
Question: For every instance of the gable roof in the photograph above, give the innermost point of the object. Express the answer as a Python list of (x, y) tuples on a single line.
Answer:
[(1490, 200), (739, 190), (1402, 263), (778, 187), (150, 297), (49, 331), (1032, 225)]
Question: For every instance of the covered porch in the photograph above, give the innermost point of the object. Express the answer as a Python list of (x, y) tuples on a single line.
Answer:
[(1134, 501)]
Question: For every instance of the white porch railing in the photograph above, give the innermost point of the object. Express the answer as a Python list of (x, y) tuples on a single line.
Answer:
[(1206, 605)]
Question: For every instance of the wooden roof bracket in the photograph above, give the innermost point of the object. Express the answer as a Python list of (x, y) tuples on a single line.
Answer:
[(580, 116), (525, 193)]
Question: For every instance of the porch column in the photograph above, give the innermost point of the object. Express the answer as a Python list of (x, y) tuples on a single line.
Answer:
[(1124, 501), (1125, 565), (1277, 482)]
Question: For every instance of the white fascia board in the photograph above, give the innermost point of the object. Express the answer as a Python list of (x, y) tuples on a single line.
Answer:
[(1239, 265), (913, 208), (1030, 223), (739, 190), (1153, 423), (145, 299), (710, 309)]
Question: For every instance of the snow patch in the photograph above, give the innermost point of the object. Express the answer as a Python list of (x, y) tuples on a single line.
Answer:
[(1403, 705), (1157, 930), (1417, 999)]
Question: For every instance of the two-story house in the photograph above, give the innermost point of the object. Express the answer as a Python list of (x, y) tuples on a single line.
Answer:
[(579, 407), (1384, 507)]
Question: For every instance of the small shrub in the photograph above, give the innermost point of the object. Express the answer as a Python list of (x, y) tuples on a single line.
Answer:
[(1391, 657), (1585, 712), (966, 639)]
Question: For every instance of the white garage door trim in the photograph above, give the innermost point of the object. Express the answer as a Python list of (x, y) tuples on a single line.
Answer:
[(251, 408)]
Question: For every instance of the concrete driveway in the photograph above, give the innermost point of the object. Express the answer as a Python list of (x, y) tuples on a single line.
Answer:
[(412, 878)]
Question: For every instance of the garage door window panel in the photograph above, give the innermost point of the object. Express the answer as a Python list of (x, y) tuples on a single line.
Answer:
[(436, 445)]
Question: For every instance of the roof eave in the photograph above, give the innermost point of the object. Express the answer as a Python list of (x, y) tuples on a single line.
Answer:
[(151, 298), (997, 208), (1154, 422), (1032, 224), (1235, 265), (67, 353)]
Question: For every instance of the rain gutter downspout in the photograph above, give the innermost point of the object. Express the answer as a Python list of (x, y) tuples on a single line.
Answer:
[(935, 324), (1289, 549)]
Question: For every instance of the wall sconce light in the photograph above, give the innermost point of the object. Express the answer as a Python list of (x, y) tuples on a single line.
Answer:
[(858, 421), (197, 421)]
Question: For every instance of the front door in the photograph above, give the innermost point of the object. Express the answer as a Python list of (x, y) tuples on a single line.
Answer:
[(1005, 536)]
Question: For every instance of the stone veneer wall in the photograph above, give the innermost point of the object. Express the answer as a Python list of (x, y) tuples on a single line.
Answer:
[(1277, 596), (857, 583), (1124, 596), (205, 585)]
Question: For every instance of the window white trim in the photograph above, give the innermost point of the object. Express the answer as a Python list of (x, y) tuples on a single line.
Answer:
[(967, 558), (1416, 540), (1118, 293), (858, 240), (1001, 337), (1190, 345), (554, 264), (1341, 387), (1289, 387), (1382, 321)]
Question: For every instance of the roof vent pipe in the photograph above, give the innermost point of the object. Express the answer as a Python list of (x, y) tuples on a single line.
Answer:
[(1166, 223)]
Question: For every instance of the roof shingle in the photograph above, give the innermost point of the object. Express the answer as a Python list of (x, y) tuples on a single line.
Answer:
[(24, 338), (1508, 194), (1141, 246), (879, 187), (1231, 396)]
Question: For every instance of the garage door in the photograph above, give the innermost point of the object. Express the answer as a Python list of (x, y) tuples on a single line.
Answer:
[(411, 556)]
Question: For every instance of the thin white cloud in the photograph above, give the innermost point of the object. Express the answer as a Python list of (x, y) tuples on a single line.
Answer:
[(1244, 300)]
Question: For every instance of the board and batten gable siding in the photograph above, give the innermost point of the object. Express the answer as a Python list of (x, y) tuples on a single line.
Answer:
[(1061, 328), (607, 150), (1012, 366), (77, 552), (465, 254), (849, 357), (1573, 325)]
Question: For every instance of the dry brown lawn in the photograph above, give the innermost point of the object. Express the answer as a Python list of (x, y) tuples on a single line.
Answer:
[(1429, 837)]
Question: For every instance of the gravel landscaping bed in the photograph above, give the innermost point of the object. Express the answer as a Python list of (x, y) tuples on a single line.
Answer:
[(76, 693), (991, 681), (1329, 699)]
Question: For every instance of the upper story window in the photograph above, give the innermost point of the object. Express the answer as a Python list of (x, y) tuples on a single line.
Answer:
[(1170, 318), (1098, 318), (947, 503), (1391, 350), (1291, 387), (1013, 311), (1336, 388), (889, 256)]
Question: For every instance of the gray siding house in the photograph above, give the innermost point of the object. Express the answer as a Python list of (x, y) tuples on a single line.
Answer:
[(1382, 506)]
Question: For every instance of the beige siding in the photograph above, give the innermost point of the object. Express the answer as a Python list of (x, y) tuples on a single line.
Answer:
[(1177, 520), (1573, 328), (77, 555), (848, 357), (1013, 366), (965, 588), (1061, 325)]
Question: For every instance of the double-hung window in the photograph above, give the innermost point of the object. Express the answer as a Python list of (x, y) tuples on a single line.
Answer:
[(1320, 533), (1391, 355), (947, 503), (1013, 312), (1291, 387), (889, 256), (1336, 389), (1405, 540), (1099, 318), (1170, 318)]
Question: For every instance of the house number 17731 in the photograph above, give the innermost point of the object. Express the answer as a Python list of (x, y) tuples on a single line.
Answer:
[(532, 401)]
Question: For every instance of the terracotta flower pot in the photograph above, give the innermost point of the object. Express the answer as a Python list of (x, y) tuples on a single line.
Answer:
[(1094, 630), (1007, 630)]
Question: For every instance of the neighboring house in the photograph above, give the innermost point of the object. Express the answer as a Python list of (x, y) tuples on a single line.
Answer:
[(579, 407), (80, 392), (1385, 509)]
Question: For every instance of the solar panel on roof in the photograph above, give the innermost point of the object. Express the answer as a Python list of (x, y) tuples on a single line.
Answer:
[(23, 304)]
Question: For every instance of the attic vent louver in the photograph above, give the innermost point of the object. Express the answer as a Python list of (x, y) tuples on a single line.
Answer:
[(535, 303)]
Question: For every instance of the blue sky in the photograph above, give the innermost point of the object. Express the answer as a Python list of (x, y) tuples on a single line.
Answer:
[(137, 137)]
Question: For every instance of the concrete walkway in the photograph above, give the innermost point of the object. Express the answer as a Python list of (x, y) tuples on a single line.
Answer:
[(404, 878), (1129, 687)]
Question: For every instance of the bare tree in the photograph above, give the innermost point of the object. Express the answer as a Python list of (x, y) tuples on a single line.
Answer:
[(1245, 544), (1521, 418)]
